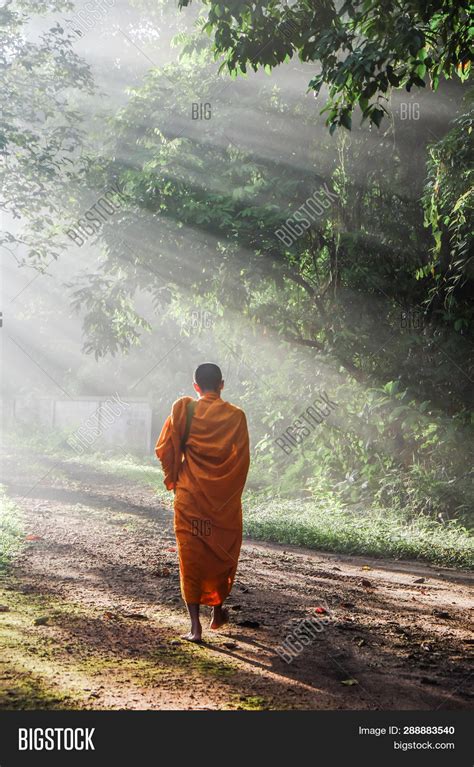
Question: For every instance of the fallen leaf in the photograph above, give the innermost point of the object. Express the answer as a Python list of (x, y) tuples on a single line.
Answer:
[(427, 647), (110, 616), (33, 538), (366, 567), (349, 682)]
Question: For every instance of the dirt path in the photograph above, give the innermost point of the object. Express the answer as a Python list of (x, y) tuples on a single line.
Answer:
[(95, 616)]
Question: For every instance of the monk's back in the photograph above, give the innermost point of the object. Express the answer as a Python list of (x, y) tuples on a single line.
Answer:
[(216, 455), (214, 428)]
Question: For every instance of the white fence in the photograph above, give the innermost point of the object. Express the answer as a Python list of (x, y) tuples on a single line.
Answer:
[(129, 427)]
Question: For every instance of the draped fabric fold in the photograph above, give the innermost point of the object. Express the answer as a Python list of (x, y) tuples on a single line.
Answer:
[(208, 479)]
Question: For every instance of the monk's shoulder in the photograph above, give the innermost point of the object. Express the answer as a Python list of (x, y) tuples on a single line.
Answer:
[(179, 404), (235, 410), (183, 400)]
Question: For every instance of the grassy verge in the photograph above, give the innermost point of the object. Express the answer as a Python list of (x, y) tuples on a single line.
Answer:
[(10, 530), (377, 533)]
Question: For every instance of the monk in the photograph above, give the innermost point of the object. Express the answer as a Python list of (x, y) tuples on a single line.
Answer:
[(204, 451)]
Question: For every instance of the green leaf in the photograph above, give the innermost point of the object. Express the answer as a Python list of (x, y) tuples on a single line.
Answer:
[(376, 116), (346, 121)]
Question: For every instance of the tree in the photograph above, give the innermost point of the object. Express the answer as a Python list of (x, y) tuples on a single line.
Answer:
[(448, 204), (364, 48), (40, 130)]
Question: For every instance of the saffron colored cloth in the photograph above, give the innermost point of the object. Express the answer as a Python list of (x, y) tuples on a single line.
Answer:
[(208, 480)]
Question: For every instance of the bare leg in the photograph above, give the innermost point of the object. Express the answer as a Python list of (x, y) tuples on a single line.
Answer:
[(196, 628), (219, 616)]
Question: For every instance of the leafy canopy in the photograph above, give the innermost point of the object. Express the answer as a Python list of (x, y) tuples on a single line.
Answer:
[(364, 48)]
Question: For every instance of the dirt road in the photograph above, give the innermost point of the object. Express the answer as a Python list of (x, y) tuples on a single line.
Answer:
[(94, 616)]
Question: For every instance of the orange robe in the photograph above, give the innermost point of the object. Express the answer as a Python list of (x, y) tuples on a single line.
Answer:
[(208, 480)]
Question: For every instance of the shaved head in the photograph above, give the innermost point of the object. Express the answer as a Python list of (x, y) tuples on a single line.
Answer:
[(208, 376)]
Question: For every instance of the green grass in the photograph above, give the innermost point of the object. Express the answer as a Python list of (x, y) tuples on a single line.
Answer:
[(378, 533), (10, 530), (249, 703)]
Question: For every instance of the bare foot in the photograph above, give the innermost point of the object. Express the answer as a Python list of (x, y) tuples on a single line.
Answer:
[(195, 634), (219, 616)]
